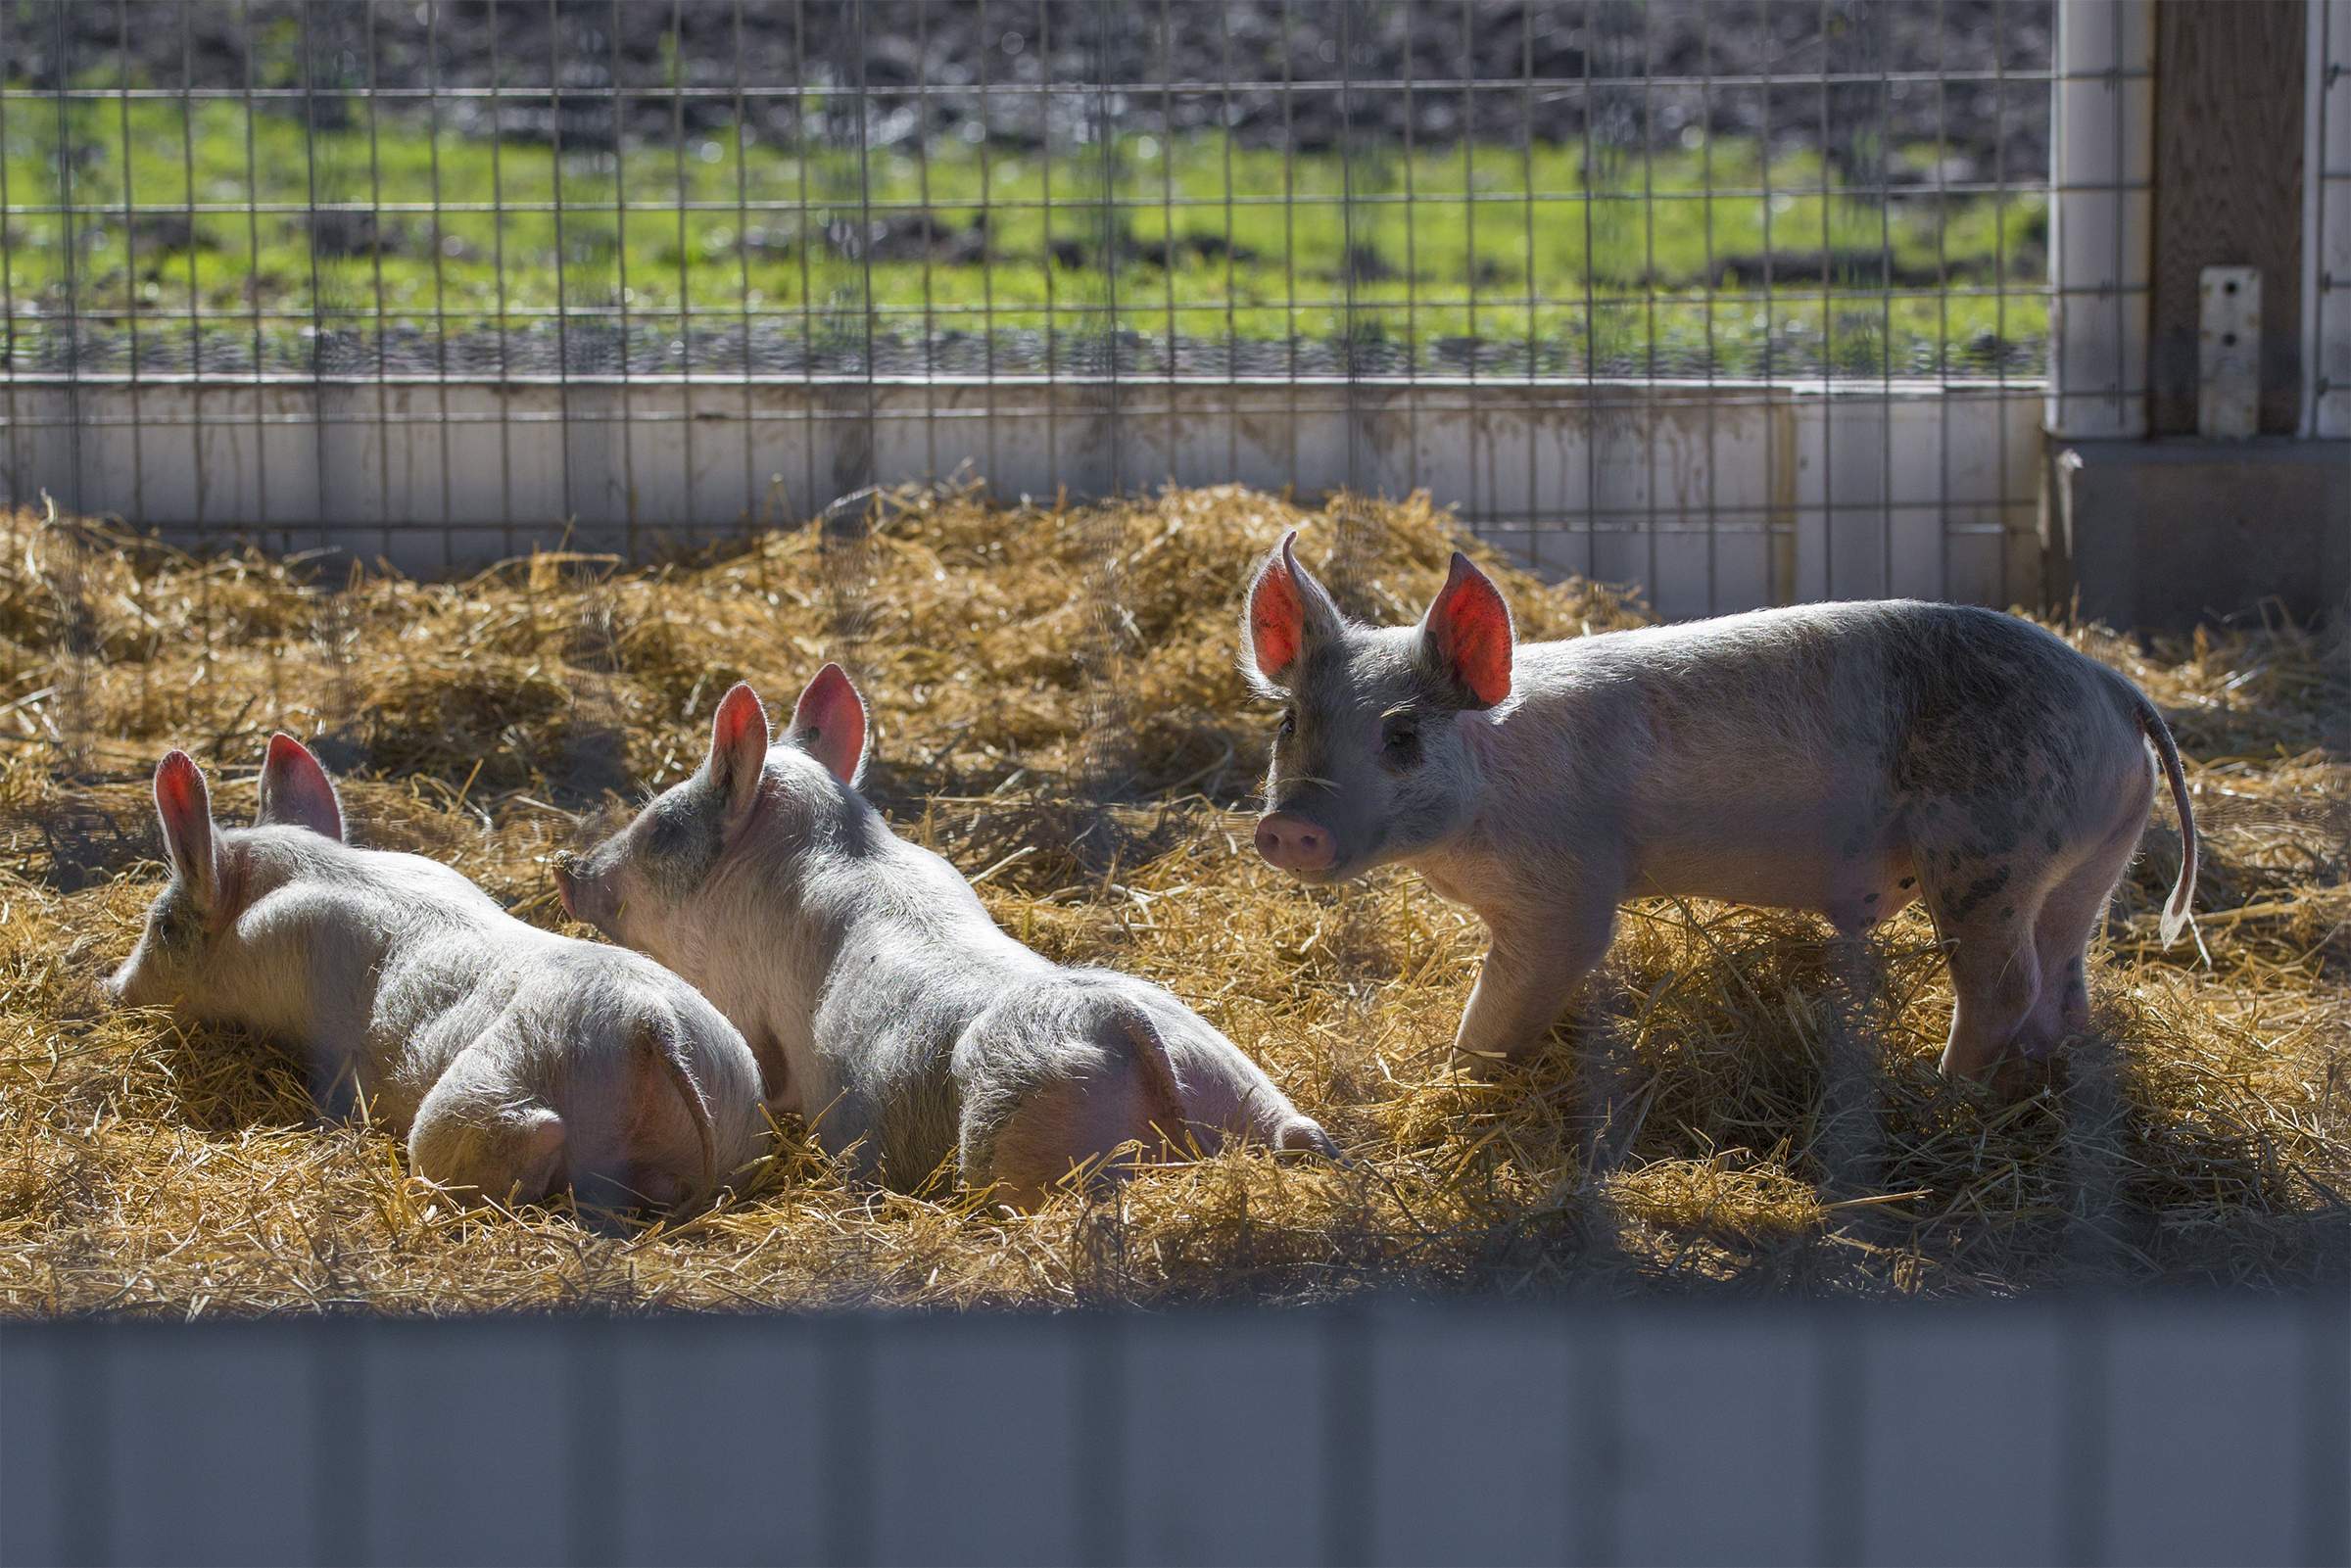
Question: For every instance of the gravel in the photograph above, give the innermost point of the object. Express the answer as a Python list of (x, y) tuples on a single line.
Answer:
[(1621, 73)]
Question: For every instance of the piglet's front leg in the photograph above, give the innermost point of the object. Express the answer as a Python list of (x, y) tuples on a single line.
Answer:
[(1531, 970)]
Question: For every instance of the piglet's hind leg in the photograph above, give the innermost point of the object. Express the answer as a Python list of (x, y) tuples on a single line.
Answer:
[(1985, 920), (1076, 1123), (486, 1144), (2061, 938)]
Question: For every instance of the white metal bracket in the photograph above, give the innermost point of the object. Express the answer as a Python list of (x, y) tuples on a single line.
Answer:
[(2229, 352)]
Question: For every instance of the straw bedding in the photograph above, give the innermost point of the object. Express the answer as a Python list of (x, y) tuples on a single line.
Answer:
[(1059, 714)]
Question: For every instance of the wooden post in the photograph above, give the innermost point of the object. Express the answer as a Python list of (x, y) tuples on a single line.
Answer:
[(2229, 141)]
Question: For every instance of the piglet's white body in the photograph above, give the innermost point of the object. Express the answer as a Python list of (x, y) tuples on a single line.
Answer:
[(1846, 758), (515, 1060), (883, 1002)]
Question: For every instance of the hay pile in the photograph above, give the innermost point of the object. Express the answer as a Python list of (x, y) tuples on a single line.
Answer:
[(1059, 715)]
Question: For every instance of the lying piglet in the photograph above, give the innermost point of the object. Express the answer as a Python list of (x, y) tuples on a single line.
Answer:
[(1843, 758), (883, 1004), (517, 1062)]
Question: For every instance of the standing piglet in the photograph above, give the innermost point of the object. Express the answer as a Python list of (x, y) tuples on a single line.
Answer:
[(1841, 758), (883, 1004), (517, 1062)]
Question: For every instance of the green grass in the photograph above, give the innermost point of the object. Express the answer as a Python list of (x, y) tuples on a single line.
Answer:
[(1633, 261)]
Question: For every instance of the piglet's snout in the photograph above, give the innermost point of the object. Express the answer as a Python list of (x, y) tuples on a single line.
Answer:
[(1295, 844)]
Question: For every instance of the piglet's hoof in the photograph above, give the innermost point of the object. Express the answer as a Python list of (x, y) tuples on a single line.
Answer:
[(1481, 1067), (2018, 1076)]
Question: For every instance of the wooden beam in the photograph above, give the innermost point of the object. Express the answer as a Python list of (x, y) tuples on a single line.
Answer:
[(2228, 147)]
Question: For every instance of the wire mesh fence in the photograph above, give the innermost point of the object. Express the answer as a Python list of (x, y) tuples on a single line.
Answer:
[(1739, 304), (1742, 303)]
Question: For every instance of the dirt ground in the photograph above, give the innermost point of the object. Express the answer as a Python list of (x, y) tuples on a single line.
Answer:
[(1238, 63), (1058, 712)]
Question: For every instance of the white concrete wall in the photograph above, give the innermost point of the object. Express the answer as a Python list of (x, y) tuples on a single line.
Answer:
[(1711, 497)]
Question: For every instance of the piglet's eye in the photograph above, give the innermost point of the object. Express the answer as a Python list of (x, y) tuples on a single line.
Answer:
[(1289, 722), (1402, 742)]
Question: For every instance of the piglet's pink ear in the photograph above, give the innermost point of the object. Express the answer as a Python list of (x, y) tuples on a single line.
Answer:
[(829, 723), (739, 747), (1467, 634), (1286, 607), (184, 807), (296, 791)]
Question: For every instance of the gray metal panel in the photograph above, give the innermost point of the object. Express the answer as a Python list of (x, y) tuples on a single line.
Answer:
[(1720, 1434), (1476, 1459), (2058, 1431), (720, 1442), (1221, 1423), (2162, 533), (1937, 1488), (974, 1455), (2200, 1414), (472, 1443), (37, 1403), (214, 1451)]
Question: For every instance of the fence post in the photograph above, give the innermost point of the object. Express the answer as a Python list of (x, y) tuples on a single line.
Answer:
[(2327, 223), (2195, 104), (2228, 164), (2101, 232)]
